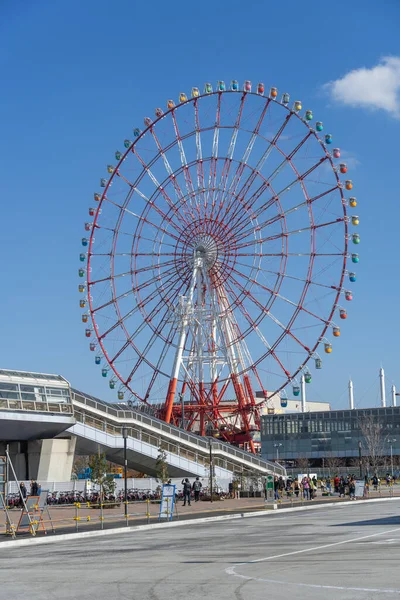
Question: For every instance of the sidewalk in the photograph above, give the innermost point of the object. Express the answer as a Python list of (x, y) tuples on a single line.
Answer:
[(66, 519)]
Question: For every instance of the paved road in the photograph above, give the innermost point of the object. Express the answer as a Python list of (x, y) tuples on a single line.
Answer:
[(345, 552)]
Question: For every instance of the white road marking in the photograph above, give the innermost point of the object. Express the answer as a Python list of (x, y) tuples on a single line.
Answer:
[(232, 570)]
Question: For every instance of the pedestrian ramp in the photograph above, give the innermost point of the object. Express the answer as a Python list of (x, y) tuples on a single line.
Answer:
[(100, 425)]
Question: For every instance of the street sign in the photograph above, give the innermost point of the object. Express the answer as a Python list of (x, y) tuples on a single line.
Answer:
[(269, 488), (167, 502)]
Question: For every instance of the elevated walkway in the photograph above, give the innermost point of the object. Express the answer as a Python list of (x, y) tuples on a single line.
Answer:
[(100, 423), (45, 421)]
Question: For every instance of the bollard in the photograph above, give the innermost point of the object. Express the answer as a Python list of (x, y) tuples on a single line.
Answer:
[(167, 500), (148, 510), (77, 517), (126, 506)]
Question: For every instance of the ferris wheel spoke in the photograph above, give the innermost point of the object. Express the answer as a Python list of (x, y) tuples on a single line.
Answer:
[(246, 155), (260, 164), (162, 357), (282, 215), (130, 339), (155, 335), (109, 302), (152, 267), (212, 175), (268, 313), (228, 161), (142, 218), (136, 309), (288, 233), (109, 278), (199, 152), (174, 180), (186, 171), (156, 278), (182, 215), (299, 179), (258, 332)]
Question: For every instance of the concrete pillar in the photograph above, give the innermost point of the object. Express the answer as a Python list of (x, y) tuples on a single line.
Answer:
[(382, 385), (351, 395), (56, 459), (303, 394)]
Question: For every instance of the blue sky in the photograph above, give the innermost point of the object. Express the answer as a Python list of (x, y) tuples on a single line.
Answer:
[(77, 76)]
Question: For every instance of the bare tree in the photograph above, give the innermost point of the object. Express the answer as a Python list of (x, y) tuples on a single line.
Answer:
[(373, 433), (333, 463), (303, 464)]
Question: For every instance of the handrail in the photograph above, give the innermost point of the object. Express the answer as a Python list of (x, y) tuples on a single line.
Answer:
[(164, 428)]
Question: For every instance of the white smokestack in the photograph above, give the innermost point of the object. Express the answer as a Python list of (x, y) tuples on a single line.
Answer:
[(303, 394), (382, 382), (351, 395)]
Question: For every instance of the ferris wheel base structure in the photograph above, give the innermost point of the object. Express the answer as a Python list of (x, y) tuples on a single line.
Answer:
[(216, 258)]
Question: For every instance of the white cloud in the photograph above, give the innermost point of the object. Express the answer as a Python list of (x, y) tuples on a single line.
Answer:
[(377, 88)]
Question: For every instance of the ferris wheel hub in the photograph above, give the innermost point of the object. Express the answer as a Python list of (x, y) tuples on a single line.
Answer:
[(206, 248)]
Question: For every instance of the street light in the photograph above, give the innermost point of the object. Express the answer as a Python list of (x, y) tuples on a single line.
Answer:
[(391, 442), (277, 446), (125, 436)]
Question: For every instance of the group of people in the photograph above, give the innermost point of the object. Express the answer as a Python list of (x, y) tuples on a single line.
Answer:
[(346, 484), (187, 490), (306, 488), (34, 491)]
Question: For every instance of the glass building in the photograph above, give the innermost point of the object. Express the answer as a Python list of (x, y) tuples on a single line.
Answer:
[(21, 390), (317, 435)]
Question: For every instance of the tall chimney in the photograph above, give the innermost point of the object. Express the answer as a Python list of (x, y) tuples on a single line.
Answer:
[(303, 394), (351, 395), (382, 382)]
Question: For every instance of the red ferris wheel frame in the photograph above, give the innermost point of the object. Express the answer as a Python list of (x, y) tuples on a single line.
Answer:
[(221, 232)]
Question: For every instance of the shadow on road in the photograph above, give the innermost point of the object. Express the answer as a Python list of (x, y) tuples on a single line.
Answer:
[(391, 521)]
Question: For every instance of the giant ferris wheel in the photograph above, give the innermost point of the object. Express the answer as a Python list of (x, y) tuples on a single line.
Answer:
[(215, 259)]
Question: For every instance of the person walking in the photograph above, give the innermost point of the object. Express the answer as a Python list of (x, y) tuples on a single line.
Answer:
[(276, 488), (306, 488), (187, 488), (23, 493), (230, 488), (34, 488), (296, 488), (196, 488)]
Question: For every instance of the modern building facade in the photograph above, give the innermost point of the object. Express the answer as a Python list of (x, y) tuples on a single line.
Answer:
[(337, 433)]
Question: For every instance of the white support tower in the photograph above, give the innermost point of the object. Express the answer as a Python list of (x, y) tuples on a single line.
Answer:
[(382, 385), (394, 395), (303, 394), (351, 395), (210, 348)]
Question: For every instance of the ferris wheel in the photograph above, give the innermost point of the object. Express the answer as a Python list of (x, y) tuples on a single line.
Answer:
[(215, 259)]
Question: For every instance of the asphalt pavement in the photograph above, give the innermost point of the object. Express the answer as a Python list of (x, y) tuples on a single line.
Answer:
[(348, 552)]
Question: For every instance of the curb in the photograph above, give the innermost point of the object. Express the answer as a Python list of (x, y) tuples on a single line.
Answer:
[(51, 539)]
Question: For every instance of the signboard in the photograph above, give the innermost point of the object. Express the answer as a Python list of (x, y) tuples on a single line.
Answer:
[(167, 501), (32, 517), (269, 488), (360, 488)]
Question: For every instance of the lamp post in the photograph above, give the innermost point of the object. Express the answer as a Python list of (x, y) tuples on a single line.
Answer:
[(211, 469), (277, 446), (359, 457), (125, 436), (391, 442)]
